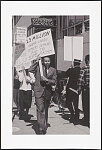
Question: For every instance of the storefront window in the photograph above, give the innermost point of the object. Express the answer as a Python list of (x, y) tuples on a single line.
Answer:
[(78, 29)]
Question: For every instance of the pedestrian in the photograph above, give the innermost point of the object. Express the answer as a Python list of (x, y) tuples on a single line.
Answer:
[(84, 86), (25, 92), (72, 96), (16, 87), (43, 90)]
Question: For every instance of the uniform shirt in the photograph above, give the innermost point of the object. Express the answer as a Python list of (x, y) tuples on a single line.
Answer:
[(84, 78), (73, 74), (24, 85)]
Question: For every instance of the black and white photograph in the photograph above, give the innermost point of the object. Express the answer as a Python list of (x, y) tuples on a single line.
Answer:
[(51, 75), (50, 88)]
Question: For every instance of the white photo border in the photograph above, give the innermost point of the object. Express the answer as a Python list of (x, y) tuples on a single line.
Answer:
[(11, 8)]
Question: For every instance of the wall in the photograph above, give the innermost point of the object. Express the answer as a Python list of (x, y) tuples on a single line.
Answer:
[(64, 65)]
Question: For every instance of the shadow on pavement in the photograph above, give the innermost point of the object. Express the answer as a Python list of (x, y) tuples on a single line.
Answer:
[(34, 125), (64, 114)]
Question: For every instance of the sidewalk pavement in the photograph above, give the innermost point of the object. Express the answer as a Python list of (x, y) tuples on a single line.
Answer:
[(59, 123)]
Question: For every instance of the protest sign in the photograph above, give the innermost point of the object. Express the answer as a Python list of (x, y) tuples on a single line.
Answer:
[(38, 44), (73, 48), (22, 61)]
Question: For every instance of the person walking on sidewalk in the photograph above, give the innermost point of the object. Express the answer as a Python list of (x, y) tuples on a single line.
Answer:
[(84, 86), (25, 92), (42, 88), (16, 87), (71, 90)]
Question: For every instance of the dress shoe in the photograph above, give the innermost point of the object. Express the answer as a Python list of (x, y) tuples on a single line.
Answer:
[(71, 119), (21, 117), (42, 132), (48, 125), (76, 122)]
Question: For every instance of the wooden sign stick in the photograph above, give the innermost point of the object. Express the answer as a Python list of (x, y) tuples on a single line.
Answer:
[(41, 69)]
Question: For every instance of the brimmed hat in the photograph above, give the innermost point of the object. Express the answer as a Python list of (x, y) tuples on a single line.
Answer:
[(77, 60)]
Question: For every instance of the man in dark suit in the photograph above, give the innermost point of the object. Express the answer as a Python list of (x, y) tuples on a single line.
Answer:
[(71, 90), (43, 89)]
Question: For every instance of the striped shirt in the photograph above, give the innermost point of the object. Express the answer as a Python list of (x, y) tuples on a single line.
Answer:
[(84, 78)]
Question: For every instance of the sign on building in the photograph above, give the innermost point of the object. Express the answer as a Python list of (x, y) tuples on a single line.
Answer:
[(73, 48), (42, 22), (21, 34), (38, 44)]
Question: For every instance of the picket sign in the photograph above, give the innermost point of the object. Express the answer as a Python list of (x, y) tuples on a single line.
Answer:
[(38, 43)]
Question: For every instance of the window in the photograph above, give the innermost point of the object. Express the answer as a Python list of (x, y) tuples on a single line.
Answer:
[(78, 19), (78, 29), (71, 20), (86, 23), (71, 31), (33, 30), (86, 17), (16, 19), (64, 22), (65, 32)]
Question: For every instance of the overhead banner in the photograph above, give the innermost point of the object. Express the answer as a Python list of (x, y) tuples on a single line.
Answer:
[(21, 34), (38, 44), (73, 48)]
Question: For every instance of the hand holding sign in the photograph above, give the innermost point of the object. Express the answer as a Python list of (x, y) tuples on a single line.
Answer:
[(44, 79)]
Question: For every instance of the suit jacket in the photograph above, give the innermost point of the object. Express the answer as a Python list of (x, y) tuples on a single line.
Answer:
[(41, 88)]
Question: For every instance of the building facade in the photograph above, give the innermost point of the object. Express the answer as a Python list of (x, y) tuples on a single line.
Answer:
[(60, 26), (71, 26)]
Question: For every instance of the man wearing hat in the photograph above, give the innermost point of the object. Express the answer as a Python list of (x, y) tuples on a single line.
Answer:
[(71, 90)]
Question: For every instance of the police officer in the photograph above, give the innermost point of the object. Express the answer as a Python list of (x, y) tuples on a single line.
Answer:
[(71, 90)]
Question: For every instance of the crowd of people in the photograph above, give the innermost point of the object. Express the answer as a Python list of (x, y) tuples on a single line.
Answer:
[(44, 86)]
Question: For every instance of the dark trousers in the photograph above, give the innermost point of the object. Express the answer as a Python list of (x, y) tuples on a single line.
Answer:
[(25, 99), (40, 112), (72, 97), (86, 104), (47, 103), (42, 105), (16, 97)]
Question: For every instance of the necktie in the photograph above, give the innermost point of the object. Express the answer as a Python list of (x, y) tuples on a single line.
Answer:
[(46, 72)]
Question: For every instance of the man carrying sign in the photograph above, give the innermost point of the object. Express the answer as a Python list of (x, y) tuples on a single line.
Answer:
[(43, 88)]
